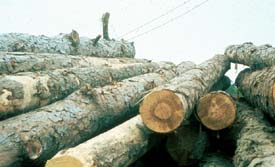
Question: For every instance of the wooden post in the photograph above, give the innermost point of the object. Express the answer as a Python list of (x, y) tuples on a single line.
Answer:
[(105, 24)]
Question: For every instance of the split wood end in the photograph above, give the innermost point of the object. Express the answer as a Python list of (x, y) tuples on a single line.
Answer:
[(162, 111), (216, 110)]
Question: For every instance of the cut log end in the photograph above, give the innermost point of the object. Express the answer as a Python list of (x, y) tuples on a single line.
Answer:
[(162, 111), (216, 110), (63, 161)]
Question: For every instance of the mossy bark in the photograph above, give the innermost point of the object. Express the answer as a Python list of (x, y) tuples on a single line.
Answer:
[(255, 138), (258, 88)]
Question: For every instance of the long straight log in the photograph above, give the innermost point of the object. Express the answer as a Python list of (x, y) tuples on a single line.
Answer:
[(78, 117), (168, 106), (14, 62), (254, 56), (118, 147), (216, 110), (25, 91), (70, 44), (258, 87), (255, 138)]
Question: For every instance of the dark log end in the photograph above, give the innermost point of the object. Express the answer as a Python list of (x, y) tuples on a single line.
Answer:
[(186, 146), (74, 37), (63, 161), (95, 41), (216, 110), (162, 111), (34, 149)]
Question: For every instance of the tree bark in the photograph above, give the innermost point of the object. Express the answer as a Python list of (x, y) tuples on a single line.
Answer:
[(187, 144), (254, 56), (216, 110), (215, 160), (118, 147), (73, 120), (14, 62), (184, 66), (255, 138), (26, 91), (258, 87), (65, 44), (168, 106)]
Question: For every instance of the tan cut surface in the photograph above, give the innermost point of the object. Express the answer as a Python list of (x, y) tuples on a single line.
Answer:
[(216, 110), (162, 111), (64, 161)]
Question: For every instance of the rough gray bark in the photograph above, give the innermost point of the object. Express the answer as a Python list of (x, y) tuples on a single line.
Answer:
[(258, 88), (14, 62), (64, 44), (118, 147), (188, 88), (78, 117), (184, 66), (255, 138), (251, 55), (26, 91), (215, 160)]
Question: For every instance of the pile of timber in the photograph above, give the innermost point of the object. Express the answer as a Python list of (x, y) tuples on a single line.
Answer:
[(70, 101)]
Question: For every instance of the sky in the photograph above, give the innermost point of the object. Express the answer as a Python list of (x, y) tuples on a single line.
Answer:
[(197, 36)]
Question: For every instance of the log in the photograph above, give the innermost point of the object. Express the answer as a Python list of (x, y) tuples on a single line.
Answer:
[(216, 110), (14, 62), (26, 91), (79, 117), (70, 44), (187, 144), (255, 138), (183, 66), (258, 87), (248, 54), (215, 160), (118, 147), (105, 24), (168, 106)]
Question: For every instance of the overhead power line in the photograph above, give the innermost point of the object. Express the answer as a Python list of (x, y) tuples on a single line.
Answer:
[(154, 19), (169, 21)]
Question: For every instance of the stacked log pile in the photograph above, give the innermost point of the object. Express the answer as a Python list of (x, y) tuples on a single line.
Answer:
[(70, 101)]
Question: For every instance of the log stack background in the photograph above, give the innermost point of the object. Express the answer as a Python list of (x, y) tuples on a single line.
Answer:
[(70, 101)]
